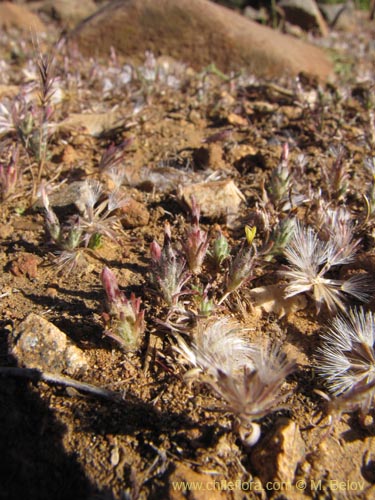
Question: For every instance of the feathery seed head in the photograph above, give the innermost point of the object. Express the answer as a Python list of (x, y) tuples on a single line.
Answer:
[(347, 356), (309, 260)]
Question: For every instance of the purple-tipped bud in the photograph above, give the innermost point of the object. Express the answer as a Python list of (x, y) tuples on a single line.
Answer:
[(155, 251), (125, 323), (167, 234), (110, 286), (285, 153), (196, 244)]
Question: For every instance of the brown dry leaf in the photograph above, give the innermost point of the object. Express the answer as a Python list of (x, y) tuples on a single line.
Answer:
[(271, 299)]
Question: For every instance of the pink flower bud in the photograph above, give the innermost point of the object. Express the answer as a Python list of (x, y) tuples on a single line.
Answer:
[(155, 251), (110, 285)]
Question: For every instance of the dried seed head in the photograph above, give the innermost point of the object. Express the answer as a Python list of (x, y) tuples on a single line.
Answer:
[(309, 260), (247, 378), (347, 357), (217, 345)]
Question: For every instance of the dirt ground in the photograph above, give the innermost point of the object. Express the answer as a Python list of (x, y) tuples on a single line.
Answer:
[(57, 443)]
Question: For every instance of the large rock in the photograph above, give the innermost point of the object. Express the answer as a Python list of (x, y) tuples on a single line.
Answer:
[(304, 13), (198, 32), (68, 12), (19, 16)]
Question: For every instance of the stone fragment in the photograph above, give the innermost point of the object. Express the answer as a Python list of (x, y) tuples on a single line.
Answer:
[(304, 13), (209, 156), (67, 194), (19, 16), (37, 343), (69, 155), (183, 474), (241, 151), (197, 32), (164, 179), (91, 123), (26, 264), (216, 199), (237, 120), (134, 214), (6, 230), (278, 455)]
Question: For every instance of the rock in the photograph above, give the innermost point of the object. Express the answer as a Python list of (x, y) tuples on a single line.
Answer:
[(40, 344), (25, 264), (241, 151), (18, 16), (69, 155), (237, 120), (206, 490), (278, 455), (91, 123), (209, 156), (68, 12), (198, 32), (339, 16), (67, 194), (164, 179), (5, 231), (134, 214), (304, 13), (216, 199)]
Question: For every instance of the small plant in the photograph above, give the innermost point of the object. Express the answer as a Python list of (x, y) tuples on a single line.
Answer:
[(220, 250), (99, 218), (32, 119), (346, 360), (279, 238), (205, 305), (125, 319), (280, 186), (167, 270), (336, 178), (242, 266), (86, 230), (195, 243)]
